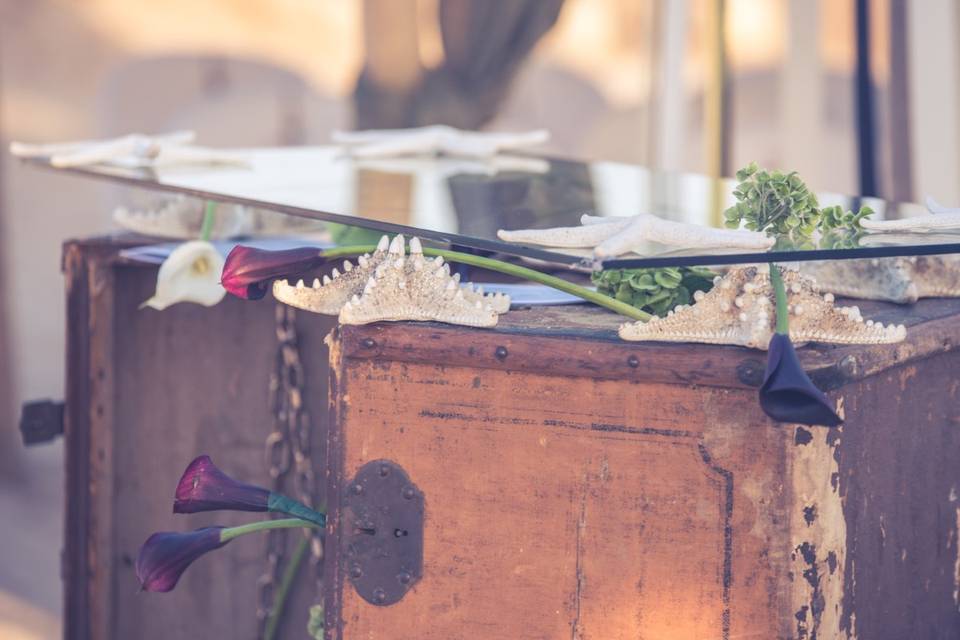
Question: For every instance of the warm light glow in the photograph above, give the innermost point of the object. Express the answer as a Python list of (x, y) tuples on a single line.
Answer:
[(755, 33), (318, 39)]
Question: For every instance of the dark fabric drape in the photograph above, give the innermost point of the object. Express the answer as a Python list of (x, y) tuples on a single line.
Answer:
[(485, 43)]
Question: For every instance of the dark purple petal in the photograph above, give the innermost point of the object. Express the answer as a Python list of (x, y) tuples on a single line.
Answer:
[(248, 272), (203, 487), (787, 394), (166, 555)]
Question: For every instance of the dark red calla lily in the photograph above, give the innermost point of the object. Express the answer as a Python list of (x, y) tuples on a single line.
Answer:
[(166, 555), (204, 487), (787, 393), (248, 272)]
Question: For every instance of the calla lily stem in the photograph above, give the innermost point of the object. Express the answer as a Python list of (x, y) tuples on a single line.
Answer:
[(286, 581), (285, 523), (207, 227), (780, 292), (516, 271)]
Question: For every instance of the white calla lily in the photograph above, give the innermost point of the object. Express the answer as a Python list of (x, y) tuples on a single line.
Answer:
[(191, 273)]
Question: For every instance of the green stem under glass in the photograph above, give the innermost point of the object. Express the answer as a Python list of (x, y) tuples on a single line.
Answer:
[(207, 227), (263, 525), (512, 270), (780, 291), (286, 582)]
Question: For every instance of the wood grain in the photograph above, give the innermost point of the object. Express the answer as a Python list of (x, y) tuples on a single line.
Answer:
[(561, 507)]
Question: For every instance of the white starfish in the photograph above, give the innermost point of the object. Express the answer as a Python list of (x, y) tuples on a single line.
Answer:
[(940, 218), (433, 140), (610, 237), (134, 150)]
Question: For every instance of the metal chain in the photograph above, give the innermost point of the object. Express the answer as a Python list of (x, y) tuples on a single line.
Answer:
[(288, 448)]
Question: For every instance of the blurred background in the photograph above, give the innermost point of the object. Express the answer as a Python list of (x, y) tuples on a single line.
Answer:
[(625, 80)]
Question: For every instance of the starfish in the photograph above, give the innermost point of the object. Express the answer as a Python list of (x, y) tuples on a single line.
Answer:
[(434, 140), (936, 276), (182, 217), (740, 310), (331, 294), (871, 279), (134, 150), (902, 280), (940, 218), (415, 288), (610, 237)]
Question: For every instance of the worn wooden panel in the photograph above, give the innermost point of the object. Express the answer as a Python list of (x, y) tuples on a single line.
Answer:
[(899, 477), (149, 391), (563, 507)]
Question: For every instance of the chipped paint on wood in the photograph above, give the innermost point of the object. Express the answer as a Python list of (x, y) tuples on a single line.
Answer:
[(818, 533)]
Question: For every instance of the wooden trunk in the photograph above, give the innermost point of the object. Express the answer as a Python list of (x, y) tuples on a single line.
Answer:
[(574, 486), (148, 391), (577, 486)]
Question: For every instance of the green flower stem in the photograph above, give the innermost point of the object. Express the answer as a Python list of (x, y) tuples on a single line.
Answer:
[(263, 525), (783, 316), (512, 270), (282, 504), (280, 599), (207, 227)]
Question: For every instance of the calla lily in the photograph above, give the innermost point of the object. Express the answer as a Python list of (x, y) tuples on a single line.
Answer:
[(191, 273), (787, 393), (204, 487), (248, 272), (166, 555)]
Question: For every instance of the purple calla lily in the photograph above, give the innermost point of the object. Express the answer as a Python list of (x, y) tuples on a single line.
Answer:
[(166, 555), (204, 487), (787, 394), (248, 272)]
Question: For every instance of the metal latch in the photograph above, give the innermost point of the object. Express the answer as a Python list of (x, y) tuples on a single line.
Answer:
[(41, 421), (383, 532)]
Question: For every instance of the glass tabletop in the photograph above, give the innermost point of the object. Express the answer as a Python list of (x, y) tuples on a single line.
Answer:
[(464, 202)]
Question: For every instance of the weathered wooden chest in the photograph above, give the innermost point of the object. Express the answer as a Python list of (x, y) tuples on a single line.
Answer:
[(538, 480)]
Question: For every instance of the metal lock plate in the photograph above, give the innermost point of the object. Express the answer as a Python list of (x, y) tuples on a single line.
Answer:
[(383, 532)]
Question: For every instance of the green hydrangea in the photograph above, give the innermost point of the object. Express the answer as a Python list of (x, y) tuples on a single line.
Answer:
[(655, 290), (778, 204)]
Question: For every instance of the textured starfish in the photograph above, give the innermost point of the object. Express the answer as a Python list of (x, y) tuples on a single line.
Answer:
[(134, 150), (902, 280), (740, 310), (330, 295), (415, 288), (182, 217), (936, 276), (610, 237), (434, 140), (327, 296), (868, 278)]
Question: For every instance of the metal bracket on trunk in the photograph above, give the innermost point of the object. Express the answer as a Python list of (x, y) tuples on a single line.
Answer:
[(383, 532)]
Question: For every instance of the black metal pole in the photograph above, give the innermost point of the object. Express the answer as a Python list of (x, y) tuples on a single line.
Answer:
[(866, 131)]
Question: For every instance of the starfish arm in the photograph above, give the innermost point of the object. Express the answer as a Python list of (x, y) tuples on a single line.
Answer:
[(948, 220), (564, 237), (186, 154), (368, 136), (499, 141), (935, 207)]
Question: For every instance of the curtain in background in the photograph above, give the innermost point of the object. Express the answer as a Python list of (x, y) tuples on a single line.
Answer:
[(485, 43)]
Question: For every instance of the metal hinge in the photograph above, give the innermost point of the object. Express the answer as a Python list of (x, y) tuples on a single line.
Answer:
[(41, 421), (383, 532)]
